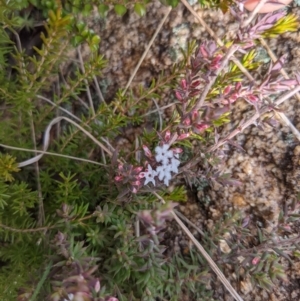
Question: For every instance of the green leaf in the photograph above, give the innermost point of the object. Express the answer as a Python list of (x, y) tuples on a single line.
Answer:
[(80, 26), (87, 9), (140, 9), (173, 3), (77, 40), (95, 40), (103, 10), (288, 23), (120, 9)]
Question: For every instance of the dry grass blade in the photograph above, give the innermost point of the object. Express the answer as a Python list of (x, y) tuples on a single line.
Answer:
[(47, 140), (212, 264), (147, 48), (88, 91), (259, 5), (59, 107), (49, 153)]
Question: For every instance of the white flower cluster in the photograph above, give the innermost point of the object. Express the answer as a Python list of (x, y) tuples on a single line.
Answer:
[(169, 163)]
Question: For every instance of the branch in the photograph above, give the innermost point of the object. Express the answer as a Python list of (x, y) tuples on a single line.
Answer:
[(212, 80)]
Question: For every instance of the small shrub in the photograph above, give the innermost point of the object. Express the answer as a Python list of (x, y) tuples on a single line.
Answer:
[(80, 219)]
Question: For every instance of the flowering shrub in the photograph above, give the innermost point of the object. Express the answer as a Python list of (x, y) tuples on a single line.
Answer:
[(66, 232), (203, 108)]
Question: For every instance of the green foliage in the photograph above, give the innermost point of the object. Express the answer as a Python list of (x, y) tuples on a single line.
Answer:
[(140, 9), (215, 3), (63, 220), (288, 23), (120, 9), (8, 165)]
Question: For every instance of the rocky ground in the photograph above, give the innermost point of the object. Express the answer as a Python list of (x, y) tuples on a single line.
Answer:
[(269, 166)]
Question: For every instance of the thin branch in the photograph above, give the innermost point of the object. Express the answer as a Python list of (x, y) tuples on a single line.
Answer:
[(252, 120), (46, 228), (159, 114), (283, 117), (41, 213), (26, 230), (98, 90), (161, 108), (202, 22), (286, 244), (212, 79), (75, 96), (238, 63), (287, 122), (59, 107), (240, 128)]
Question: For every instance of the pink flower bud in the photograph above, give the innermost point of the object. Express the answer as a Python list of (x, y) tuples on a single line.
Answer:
[(183, 136), (227, 90), (252, 98), (196, 83), (138, 169), (238, 86), (97, 286), (233, 97), (183, 84), (203, 51), (136, 183), (167, 136), (118, 178), (134, 190), (287, 228), (195, 114), (186, 121), (178, 95), (216, 62), (120, 167), (147, 151), (201, 127), (255, 260), (177, 150)]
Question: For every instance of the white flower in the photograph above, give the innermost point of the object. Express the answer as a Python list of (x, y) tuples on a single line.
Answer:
[(167, 178), (164, 173), (163, 154), (149, 175), (70, 297), (174, 164)]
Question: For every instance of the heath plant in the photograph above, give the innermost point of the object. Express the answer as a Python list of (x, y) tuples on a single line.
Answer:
[(83, 216)]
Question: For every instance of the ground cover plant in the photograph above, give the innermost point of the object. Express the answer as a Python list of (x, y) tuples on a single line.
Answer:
[(82, 217)]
